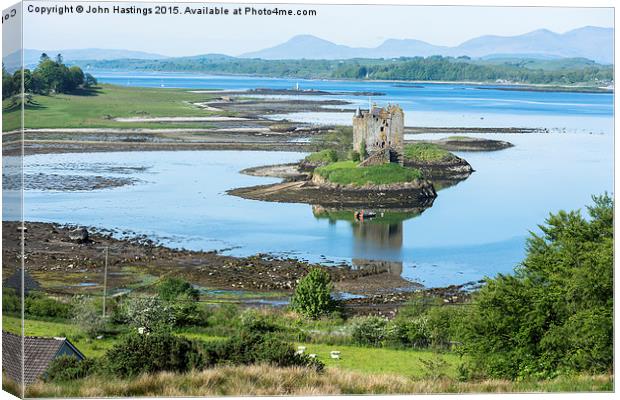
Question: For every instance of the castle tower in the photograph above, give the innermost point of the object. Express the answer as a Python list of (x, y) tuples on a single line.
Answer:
[(381, 132)]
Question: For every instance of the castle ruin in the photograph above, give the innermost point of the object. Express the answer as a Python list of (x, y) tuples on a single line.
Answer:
[(378, 135)]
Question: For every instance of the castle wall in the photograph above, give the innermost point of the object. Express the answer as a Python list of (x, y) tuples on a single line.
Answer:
[(380, 129)]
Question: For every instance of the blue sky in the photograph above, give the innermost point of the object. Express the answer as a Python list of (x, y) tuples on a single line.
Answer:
[(363, 26)]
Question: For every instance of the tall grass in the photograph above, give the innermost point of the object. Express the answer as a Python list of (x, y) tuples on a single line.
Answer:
[(266, 380)]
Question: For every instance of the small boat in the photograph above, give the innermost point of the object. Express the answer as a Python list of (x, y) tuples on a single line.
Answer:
[(364, 214)]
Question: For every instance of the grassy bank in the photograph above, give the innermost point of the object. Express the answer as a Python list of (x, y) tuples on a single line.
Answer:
[(426, 153), (96, 108), (89, 347), (266, 380), (348, 173)]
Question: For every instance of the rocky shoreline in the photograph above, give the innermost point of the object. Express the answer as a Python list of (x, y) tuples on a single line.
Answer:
[(413, 194), (62, 262)]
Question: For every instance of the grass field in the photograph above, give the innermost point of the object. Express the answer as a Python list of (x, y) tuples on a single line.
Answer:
[(89, 347), (348, 173), (95, 108), (361, 359), (383, 360), (426, 152)]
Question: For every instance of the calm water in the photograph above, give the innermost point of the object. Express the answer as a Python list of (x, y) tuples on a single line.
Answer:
[(474, 229)]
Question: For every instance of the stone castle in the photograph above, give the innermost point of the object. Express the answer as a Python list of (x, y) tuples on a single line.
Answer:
[(380, 132)]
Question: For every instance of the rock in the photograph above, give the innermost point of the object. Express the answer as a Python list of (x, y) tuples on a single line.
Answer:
[(79, 235)]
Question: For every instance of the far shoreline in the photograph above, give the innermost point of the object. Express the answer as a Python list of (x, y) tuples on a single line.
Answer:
[(531, 87)]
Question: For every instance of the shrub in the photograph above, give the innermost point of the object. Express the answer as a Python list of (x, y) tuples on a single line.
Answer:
[(369, 331), (169, 289), (11, 302), (149, 313), (354, 156), (88, 315), (249, 347), (362, 150), (251, 321), (312, 296), (161, 351), (556, 312), (409, 332), (326, 156), (39, 305), (66, 368), (182, 298)]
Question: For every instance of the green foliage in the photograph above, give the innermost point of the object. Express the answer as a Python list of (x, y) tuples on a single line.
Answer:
[(312, 296), (249, 347), (370, 331), (170, 288), (339, 139), (149, 313), (324, 156), (11, 303), (66, 368), (39, 305), (49, 76), (348, 173), (252, 321), (160, 351), (362, 150), (182, 298), (89, 80), (354, 156), (426, 152), (556, 313), (87, 314), (410, 332), (425, 321)]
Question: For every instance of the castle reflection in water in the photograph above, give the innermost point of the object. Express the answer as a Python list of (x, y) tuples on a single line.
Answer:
[(377, 241)]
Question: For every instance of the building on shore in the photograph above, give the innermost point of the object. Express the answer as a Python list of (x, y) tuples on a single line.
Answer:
[(378, 135), (36, 353)]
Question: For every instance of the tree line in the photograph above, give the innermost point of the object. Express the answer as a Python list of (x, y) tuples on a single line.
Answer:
[(50, 76), (406, 68)]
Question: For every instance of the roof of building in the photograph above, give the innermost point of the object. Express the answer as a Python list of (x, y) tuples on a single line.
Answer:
[(15, 281), (39, 353)]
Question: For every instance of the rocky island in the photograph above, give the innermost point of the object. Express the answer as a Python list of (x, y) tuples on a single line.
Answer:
[(378, 170)]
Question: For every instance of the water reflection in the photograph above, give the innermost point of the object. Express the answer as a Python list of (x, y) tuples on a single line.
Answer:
[(377, 235)]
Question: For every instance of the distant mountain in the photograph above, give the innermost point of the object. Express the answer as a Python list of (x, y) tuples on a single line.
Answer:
[(31, 56), (306, 46), (590, 42)]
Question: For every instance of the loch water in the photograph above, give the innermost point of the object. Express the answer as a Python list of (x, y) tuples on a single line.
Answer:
[(474, 229)]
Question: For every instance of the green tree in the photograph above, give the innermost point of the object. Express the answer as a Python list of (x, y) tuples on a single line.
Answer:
[(148, 313), (312, 296), (555, 313), (170, 288), (89, 80)]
